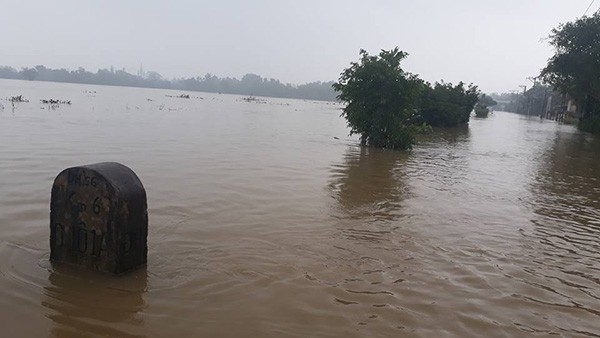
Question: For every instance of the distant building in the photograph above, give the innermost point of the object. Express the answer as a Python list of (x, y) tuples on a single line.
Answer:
[(558, 106)]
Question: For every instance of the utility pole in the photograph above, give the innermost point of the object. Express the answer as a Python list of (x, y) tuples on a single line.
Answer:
[(534, 83), (524, 90)]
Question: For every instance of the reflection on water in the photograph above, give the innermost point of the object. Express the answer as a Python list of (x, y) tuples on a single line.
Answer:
[(266, 220), (77, 302), (368, 184), (566, 232), (450, 136), (567, 203)]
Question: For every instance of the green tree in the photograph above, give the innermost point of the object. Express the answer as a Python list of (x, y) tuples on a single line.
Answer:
[(481, 108), (574, 69), (381, 99), (446, 105), (486, 100)]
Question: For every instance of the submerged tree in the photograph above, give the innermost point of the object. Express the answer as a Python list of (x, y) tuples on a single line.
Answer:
[(575, 67), (381, 99), (446, 105), (481, 108), (486, 100)]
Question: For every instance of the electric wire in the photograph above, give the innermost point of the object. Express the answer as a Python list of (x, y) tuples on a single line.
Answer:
[(588, 8)]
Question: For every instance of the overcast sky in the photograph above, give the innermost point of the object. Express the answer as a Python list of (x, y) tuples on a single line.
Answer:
[(494, 44)]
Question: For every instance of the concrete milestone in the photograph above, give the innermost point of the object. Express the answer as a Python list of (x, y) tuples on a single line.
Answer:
[(99, 218)]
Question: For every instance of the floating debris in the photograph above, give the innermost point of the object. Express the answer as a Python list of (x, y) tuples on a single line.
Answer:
[(1, 107), (182, 96), (17, 99), (56, 102), (148, 99), (253, 99)]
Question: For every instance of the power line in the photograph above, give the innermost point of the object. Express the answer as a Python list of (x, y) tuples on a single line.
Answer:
[(588, 8)]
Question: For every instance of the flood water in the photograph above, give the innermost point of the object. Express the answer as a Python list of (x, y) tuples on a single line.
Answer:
[(263, 224)]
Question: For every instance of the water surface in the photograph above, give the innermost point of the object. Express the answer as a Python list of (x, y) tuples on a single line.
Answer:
[(263, 224)]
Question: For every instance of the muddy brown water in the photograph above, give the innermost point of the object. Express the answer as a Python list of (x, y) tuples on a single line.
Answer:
[(262, 224)]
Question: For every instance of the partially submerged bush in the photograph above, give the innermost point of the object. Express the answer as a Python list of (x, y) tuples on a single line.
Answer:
[(17, 99), (55, 102), (381, 100), (387, 106), (446, 105), (481, 110)]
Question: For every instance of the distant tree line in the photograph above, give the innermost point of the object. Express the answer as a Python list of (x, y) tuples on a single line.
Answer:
[(249, 84)]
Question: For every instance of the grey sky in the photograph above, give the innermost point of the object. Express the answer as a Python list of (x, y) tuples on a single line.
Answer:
[(495, 44)]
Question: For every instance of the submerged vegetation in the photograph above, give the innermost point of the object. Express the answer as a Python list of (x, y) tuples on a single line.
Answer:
[(381, 98), (481, 108), (17, 99), (445, 105), (388, 106), (180, 96), (57, 102), (52, 103), (14, 101), (253, 99), (481, 111)]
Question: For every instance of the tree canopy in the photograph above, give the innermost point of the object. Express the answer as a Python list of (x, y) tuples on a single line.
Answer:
[(481, 108), (486, 100), (446, 105), (387, 105), (574, 69), (381, 99)]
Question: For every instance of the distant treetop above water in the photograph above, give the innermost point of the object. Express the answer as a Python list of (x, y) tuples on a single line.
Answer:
[(250, 84)]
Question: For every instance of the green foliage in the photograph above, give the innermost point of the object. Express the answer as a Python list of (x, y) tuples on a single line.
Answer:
[(445, 105), (387, 106), (575, 66), (381, 100), (481, 110), (590, 124), (486, 101)]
